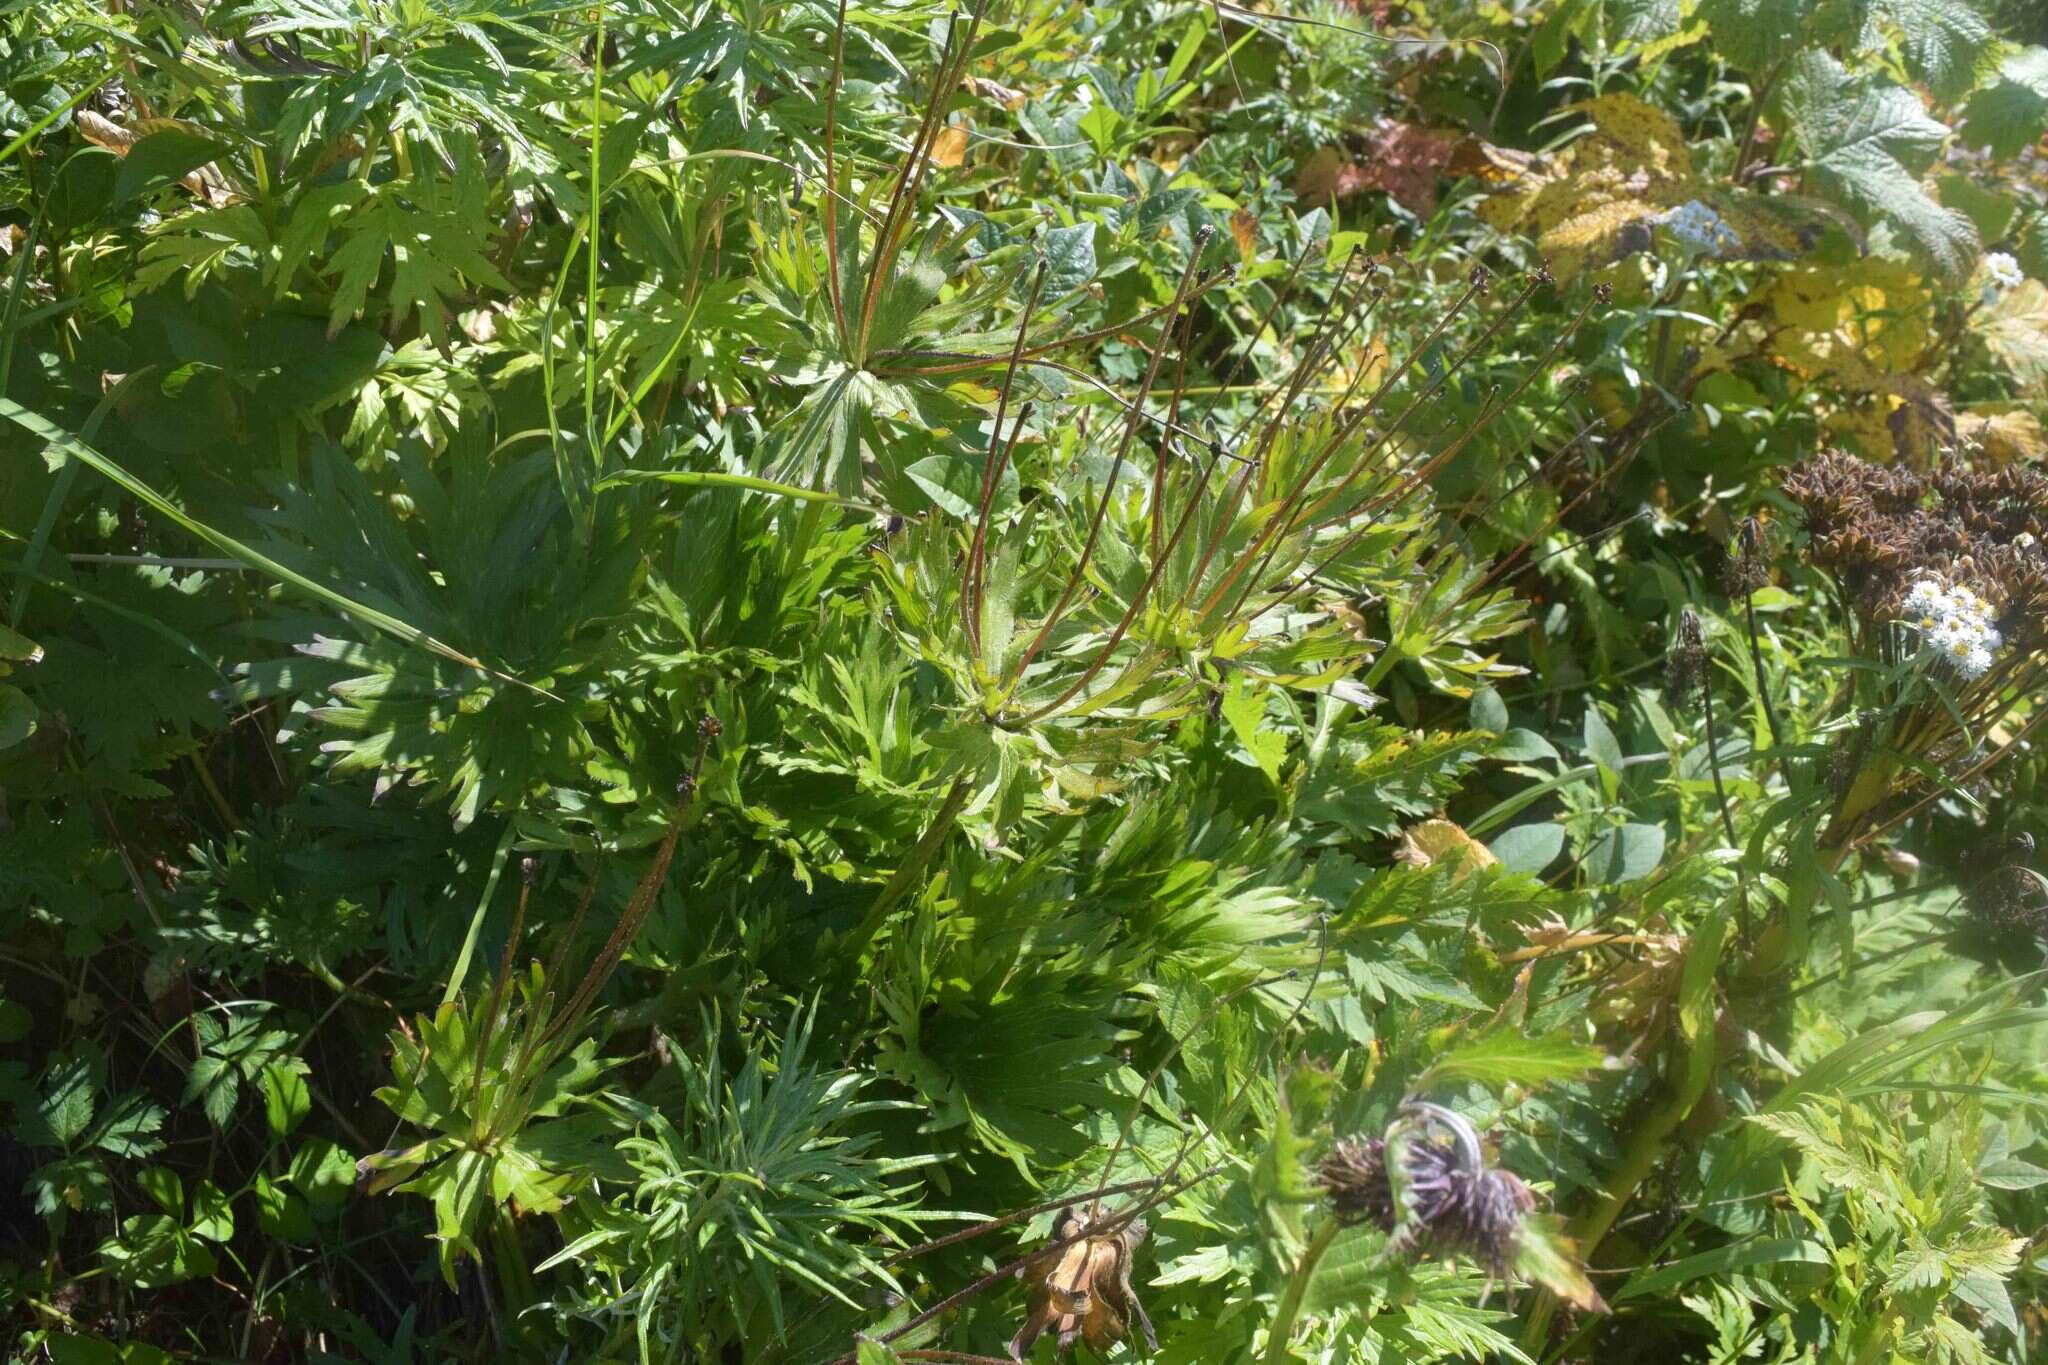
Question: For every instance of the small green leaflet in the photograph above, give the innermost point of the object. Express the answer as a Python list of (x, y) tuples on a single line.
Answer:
[(1505, 1057), (1244, 708)]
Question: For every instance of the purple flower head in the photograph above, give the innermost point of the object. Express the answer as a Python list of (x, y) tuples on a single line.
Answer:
[(1427, 1183)]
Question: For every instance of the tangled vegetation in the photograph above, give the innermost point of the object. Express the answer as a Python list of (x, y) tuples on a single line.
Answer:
[(850, 683)]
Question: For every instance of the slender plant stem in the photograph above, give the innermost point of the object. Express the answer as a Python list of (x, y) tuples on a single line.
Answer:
[(1279, 1337)]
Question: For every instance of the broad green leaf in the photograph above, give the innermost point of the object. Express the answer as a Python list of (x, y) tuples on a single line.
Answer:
[(1944, 41), (18, 648), (1069, 260), (1601, 745), (18, 716), (65, 1108), (1522, 746), (2009, 115), (868, 1351), (280, 1212), (1755, 34), (2012, 1174), (1867, 142), (1489, 712), (161, 159), (286, 1100), (1623, 853), (1350, 1270), (63, 443), (212, 1218), (1529, 848), (953, 483), (1244, 708), (324, 1174), (161, 1183)]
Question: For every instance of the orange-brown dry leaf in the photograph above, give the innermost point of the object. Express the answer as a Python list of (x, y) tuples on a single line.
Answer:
[(1082, 1291), (1484, 161), (1244, 230)]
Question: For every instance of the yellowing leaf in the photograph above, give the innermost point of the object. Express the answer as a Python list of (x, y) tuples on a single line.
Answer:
[(1441, 841), (1647, 133), (1858, 324), (1502, 212), (1864, 426), (1551, 1259), (1568, 244), (949, 148), (2016, 330), (2014, 434)]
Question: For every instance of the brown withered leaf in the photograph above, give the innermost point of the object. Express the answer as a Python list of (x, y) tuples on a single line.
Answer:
[(1923, 424), (1403, 160), (1082, 1291), (1244, 230), (1012, 100), (206, 182)]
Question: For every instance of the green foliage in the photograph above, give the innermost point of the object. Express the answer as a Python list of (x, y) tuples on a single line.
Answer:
[(710, 680)]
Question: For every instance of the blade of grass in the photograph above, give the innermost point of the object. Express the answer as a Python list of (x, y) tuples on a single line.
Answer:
[(715, 479)]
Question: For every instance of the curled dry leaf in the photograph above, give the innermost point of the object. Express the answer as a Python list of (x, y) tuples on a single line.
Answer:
[(1012, 100), (206, 182), (1442, 841), (1081, 1291)]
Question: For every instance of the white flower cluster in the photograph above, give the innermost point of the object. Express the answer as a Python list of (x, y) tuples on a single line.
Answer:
[(1699, 227), (1956, 624), (2001, 272)]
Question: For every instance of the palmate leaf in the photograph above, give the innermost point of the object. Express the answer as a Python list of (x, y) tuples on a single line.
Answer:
[(2010, 113), (2016, 330), (1379, 773), (1757, 34), (1943, 41), (1867, 141)]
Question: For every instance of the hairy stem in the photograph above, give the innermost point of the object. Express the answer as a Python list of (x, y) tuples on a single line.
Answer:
[(1280, 1335)]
